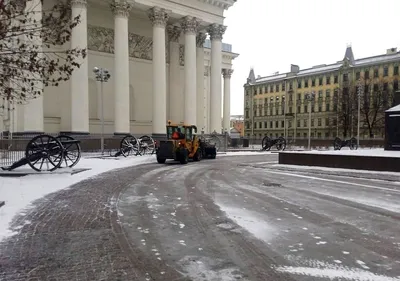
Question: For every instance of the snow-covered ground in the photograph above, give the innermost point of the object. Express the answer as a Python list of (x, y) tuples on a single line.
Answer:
[(377, 152), (19, 193)]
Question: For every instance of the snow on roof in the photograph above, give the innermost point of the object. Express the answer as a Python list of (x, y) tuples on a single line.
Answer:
[(393, 109), (271, 78), (331, 67)]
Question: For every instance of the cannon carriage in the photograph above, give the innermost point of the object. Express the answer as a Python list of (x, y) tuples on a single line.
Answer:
[(338, 143), (48, 153)]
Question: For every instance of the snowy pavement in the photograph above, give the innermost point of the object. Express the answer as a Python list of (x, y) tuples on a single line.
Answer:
[(234, 218)]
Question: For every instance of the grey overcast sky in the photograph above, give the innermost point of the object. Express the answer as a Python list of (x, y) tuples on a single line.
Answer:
[(270, 35)]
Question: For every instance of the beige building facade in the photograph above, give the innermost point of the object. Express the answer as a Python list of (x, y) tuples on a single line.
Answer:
[(277, 105), (166, 60)]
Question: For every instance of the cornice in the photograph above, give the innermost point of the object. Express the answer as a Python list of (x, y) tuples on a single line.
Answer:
[(225, 4)]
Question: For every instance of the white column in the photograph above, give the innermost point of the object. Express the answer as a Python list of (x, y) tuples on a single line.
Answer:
[(79, 78), (32, 111), (207, 99), (227, 74), (176, 101), (159, 18), (216, 31), (121, 67), (201, 37), (189, 27)]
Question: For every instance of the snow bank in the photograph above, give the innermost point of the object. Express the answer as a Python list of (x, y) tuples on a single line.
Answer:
[(379, 152)]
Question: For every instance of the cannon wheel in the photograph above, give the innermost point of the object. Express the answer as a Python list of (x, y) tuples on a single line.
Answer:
[(72, 152), (129, 144), (49, 151), (266, 143), (337, 144), (281, 144), (147, 145), (353, 144)]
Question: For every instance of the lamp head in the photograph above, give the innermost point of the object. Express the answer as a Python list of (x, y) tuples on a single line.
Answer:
[(96, 69)]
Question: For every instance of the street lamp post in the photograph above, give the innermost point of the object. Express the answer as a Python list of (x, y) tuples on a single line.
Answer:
[(102, 75), (309, 97), (359, 93)]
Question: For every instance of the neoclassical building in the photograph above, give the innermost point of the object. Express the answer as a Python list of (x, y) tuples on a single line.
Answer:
[(162, 68)]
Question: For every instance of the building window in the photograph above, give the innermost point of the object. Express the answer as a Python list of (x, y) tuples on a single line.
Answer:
[(335, 79), (305, 122), (327, 122), (304, 135), (395, 85), (312, 107), (283, 124), (265, 125), (327, 135), (345, 77), (385, 71), (328, 94), (283, 86), (320, 94), (255, 112), (357, 75), (247, 114), (320, 108), (306, 83), (276, 111), (376, 73), (298, 135), (276, 124), (305, 109), (313, 83), (334, 122), (396, 70), (299, 84), (366, 74), (328, 80), (277, 87), (298, 109), (298, 123), (319, 135), (327, 107), (319, 122), (320, 81), (271, 124)]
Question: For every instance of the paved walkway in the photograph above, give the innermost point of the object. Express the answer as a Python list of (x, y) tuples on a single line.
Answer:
[(75, 235)]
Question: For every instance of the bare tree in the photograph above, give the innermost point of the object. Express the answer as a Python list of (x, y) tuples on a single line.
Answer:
[(345, 99), (33, 51), (376, 98)]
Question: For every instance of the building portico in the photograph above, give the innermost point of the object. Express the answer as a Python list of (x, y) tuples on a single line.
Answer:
[(161, 68)]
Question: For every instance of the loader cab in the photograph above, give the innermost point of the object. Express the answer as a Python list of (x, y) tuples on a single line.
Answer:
[(180, 132)]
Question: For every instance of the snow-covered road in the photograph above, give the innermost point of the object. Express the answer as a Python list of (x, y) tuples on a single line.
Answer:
[(234, 218)]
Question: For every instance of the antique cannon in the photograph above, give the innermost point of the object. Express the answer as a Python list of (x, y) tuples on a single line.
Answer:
[(351, 143), (267, 143), (48, 153), (136, 146)]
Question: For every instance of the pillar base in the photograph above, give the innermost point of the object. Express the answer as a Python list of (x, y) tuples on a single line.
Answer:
[(159, 137), (27, 134), (121, 134), (74, 133)]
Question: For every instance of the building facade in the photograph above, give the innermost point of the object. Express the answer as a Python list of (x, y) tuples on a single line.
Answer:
[(280, 105), (162, 68)]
